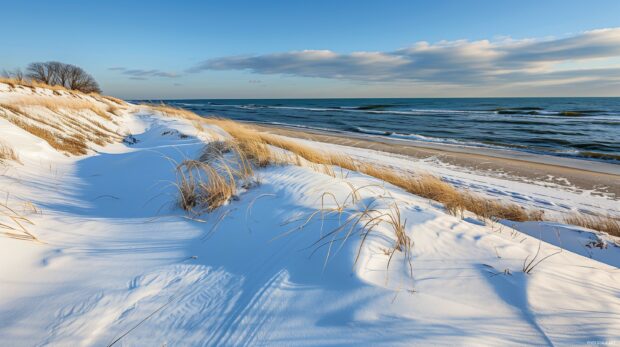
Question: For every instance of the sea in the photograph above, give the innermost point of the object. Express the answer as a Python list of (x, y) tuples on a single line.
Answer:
[(587, 128)]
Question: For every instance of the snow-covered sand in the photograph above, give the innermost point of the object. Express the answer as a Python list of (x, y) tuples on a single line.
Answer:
[(119, 262)]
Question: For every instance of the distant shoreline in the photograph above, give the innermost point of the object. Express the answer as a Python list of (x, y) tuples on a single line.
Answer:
[(583, 174)]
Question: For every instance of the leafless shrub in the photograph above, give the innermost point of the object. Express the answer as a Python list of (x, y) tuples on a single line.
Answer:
[(16, 75), (66, 75)]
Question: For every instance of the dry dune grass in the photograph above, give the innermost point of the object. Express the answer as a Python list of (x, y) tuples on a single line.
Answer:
[(362, 219), (208, 183), (14, 224), (71, 130), (173, 111), (608, 224), (7, 153), (253, 144), (14, 83), (57, 104), (74, 145), (113, 109), (33, 85), (114, 105), (202, 187), (455, 201), (114, 100), (195, 119), (427, 186), (256, 152)]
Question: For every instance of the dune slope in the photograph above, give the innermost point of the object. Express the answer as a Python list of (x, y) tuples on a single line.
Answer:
[(116, 261)]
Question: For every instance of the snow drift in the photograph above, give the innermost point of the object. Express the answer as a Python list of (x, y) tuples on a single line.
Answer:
[(114, 260)]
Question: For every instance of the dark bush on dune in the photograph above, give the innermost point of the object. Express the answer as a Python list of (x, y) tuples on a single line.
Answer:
[(69, 76)]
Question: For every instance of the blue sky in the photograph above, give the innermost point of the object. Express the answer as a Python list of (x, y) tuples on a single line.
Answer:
[(283, 49)]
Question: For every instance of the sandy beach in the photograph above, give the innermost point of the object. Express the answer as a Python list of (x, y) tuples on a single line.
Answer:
[(581, 174)]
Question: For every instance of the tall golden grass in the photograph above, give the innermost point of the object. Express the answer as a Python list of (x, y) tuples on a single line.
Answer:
[(455, 201), (117, 101), (208, 183), (14, 224), (357, 218), (202, 187), (69, 130), (72, 104), (13, 83), (7, 153), (74, 145), (173, 111), (608, 224), (427, 186)]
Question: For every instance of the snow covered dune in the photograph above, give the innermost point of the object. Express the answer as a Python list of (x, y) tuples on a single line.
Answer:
[(301, 254)]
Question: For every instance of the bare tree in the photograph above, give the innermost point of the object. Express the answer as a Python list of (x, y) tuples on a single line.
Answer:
[(76, 78), (16, 74), (40, 72), (66, 75)]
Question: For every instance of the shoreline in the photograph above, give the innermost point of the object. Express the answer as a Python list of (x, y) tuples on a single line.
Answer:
[(582, 174)]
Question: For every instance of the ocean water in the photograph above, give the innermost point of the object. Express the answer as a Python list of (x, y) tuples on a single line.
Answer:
[(576, 127)]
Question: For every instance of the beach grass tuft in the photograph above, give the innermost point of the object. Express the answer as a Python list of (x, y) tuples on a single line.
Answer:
[(360, 219), (210, 182), (14, 224), (7, 153), (608, 224), (252, 142)]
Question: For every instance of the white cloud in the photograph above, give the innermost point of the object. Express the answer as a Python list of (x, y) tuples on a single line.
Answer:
[(143, 74), (459, 62)]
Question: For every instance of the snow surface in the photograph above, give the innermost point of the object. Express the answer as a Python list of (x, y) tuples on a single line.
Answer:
[(118, 259)]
